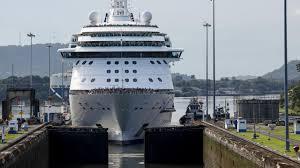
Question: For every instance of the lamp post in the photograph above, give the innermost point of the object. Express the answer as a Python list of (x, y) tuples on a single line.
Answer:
[(286, 102), (206, 25), (49, 51), (214, 57), (30, 35)]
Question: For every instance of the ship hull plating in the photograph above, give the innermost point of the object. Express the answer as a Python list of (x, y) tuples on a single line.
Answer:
[(125, 115)]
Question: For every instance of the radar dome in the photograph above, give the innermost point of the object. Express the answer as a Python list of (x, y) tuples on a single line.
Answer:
[(94, 17), (147, 17)]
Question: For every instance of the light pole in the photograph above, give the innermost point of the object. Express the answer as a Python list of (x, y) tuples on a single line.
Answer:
[(30, 35), (49, 50), (214, 57), (286, 102), (206, 25)]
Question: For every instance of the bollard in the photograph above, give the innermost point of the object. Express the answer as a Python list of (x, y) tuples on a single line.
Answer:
[(296, 149), (2, 134)]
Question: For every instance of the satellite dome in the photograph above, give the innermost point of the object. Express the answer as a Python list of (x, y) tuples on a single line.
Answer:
[(147, 17), (94, 17)]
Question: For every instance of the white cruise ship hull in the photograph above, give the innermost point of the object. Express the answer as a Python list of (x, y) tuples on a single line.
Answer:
[(125, 115)]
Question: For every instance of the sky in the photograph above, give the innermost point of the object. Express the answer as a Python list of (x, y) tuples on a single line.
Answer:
[(249, 33)]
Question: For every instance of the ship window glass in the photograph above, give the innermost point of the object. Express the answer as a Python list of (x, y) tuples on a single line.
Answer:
[(117, 62), (152, 62), (158, 62), (134, 80), (134, 71), (116, 80), (83, 80), (93, 80), (126, 71), (116, 71), (108, 80), (77, 62), (159, 79), (91, 62), (126, 80), (108, 63), (84, 62), (165, 62), (126, 62), (134, 62), (108, 71), (150, 79)]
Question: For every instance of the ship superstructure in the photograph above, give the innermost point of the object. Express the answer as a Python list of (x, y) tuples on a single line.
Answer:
[(121, 74)]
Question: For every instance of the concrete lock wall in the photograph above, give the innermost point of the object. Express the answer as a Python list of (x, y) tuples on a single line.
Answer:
[(55, 147), (32, 152)]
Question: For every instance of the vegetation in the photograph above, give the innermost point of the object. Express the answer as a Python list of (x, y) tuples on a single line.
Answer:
[(274, 144)]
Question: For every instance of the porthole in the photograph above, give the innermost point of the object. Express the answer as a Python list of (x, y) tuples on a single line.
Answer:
[(116, 80), (159, 79), (108, 80), (158, 62), (84, 62), (77, 62), (165, 62), (93, 80), (134, 62), (108, 71), (91, 62), (126, 62), (116, 71), (134, 71), (83, 80), (126, 80), (108, 63), (135, 80), (150, 79), (152, 62), (117, 62), (126, 71)]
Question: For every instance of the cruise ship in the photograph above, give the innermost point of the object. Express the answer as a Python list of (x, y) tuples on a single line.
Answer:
[(121, 77)]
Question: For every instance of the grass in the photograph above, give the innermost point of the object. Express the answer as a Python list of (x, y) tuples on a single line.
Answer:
[(291, 111), (280, 131), (10, 137), (274, 144)]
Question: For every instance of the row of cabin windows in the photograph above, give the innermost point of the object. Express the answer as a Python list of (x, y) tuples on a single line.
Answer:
[(117, 80), (117, 62), (117, 71), (158, 62), (122, 43), (84, 62)]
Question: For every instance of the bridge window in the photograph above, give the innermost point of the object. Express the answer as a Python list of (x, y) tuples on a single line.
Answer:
[(165, 62), (84, 62), (159, 79), (126, 62), (77, 62), (135, 80), (158, 62), (134, 62), (116, 71), (108, 71), (108, 80), (134, 71), (91, 62), (117, 62), (126, 80), (152, 62), (83, 80), (108, 63), (93, 80), (116, 80), (126, 71), (150, 79)]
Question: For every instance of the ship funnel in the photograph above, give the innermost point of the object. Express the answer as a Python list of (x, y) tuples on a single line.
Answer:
[(146, 17), (94, 18)]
